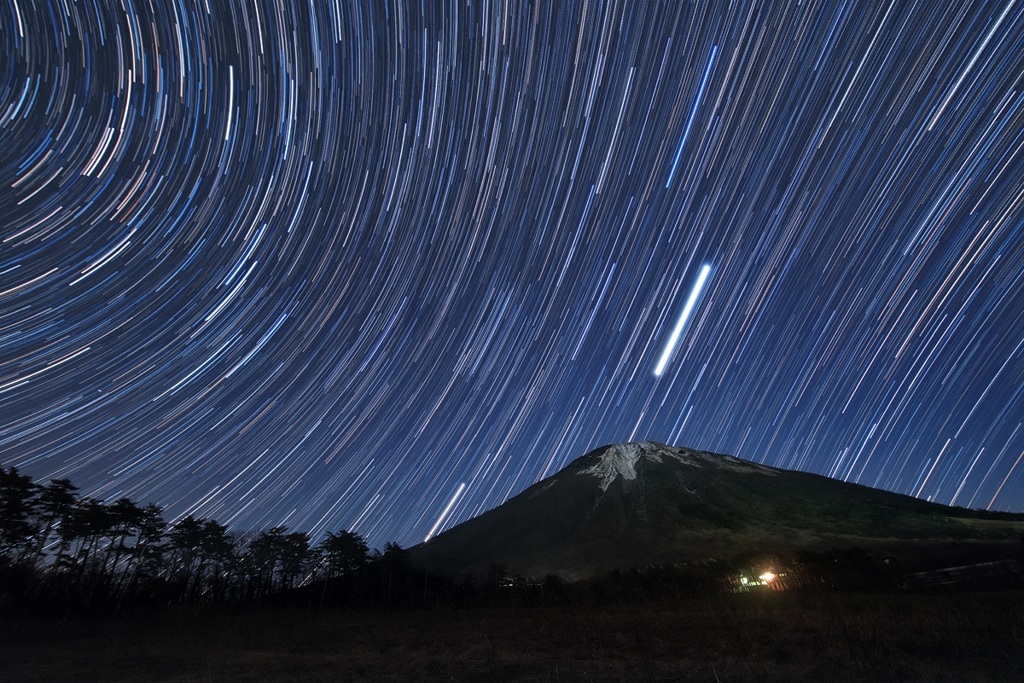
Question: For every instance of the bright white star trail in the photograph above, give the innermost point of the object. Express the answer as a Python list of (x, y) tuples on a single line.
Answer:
[(444, 513), (321, 264), (684, 315)]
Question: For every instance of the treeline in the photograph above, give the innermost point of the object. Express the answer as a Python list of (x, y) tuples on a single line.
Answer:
[(61, 549)]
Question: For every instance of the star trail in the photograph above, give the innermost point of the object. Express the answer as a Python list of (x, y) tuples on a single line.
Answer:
[(381, 265)]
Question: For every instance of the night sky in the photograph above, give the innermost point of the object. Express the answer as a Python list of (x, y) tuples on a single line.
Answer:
[(380, 266)]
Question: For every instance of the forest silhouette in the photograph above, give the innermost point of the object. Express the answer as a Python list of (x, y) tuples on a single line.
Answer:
[(94, 590), (60, 549)]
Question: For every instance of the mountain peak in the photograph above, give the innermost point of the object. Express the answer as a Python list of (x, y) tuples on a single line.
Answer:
[(634, 505), (620, 460)]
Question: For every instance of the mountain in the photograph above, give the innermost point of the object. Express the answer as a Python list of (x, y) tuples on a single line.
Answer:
[(635, 505)]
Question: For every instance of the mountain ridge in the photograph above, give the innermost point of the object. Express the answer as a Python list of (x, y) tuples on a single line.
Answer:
[(638, 504)]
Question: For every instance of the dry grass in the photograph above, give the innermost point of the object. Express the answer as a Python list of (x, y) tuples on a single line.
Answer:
[(773, 637)]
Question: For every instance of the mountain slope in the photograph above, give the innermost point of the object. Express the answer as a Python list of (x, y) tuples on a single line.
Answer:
[(641, 504)]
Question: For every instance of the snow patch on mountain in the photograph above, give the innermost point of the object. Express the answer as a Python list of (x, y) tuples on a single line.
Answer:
[(619, 460)]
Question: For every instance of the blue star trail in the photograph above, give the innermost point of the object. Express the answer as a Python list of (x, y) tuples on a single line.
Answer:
[(380, 266)]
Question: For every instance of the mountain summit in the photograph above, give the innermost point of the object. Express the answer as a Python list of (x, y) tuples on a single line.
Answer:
[(634, 505), (621, 460)]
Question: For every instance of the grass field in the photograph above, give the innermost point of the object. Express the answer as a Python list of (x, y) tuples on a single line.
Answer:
[(765, 637)]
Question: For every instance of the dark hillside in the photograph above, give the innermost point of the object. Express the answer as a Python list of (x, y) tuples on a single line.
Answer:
[(642, 504)]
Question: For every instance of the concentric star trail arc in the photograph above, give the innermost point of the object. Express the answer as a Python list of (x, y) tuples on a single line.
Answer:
[(323, 264)]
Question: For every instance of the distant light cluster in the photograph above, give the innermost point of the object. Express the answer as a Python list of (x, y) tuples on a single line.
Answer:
[(380, 266)]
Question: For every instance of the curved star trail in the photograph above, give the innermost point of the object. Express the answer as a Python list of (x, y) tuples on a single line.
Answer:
[(379, 266)]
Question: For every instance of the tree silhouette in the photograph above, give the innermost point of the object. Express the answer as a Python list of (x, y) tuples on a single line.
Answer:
[(217, 549), (125, 518), (185, 542), (81, 533), (18, 507), (262, 558), (294, 558), (56, 500), (344, 553), (395, 573), (146, 557)]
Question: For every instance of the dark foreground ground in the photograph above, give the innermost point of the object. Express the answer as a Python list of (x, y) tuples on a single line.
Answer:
[(769, 637)]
